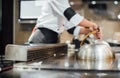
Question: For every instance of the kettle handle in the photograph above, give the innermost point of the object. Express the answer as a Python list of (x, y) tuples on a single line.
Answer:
[(85, 37)]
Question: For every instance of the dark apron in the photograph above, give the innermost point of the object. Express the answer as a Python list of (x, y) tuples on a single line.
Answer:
[(43, 35)]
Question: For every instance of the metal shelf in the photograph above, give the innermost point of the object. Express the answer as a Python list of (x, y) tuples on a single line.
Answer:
[(27, 21)]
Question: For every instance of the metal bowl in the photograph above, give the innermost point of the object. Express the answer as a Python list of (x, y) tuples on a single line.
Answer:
[(100, 50)]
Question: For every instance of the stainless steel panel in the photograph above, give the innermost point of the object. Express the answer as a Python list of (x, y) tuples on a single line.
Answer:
[(33, 51), (16, 52)]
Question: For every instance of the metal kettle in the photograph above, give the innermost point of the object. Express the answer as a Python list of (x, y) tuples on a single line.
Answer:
[(96, 50)]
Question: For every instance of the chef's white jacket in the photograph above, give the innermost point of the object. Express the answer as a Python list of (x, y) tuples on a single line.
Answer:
[(56, 13)]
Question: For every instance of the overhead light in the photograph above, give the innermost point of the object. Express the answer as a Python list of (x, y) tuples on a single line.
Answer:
[(119, 16), (115, 2), (72, 3), (93, 2)]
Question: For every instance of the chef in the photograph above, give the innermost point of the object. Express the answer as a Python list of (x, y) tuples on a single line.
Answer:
[(56, 13)]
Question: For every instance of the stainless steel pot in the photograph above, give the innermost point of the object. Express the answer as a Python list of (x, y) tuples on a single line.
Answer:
[(99, 50), (96, 64)]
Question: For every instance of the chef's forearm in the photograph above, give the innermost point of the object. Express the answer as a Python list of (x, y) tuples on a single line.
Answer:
[(86, 23)]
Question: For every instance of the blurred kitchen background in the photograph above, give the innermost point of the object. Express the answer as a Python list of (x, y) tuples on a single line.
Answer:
[(106, 13)]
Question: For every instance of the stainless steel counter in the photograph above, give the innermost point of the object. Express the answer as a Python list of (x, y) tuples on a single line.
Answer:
[(67, 67), (57, 74)]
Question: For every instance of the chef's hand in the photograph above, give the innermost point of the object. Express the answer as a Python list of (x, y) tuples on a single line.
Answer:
[(98, 34), (84, 30), (94, 26)]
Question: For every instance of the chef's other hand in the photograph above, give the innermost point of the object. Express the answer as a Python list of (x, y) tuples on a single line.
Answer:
[(98, 34)]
